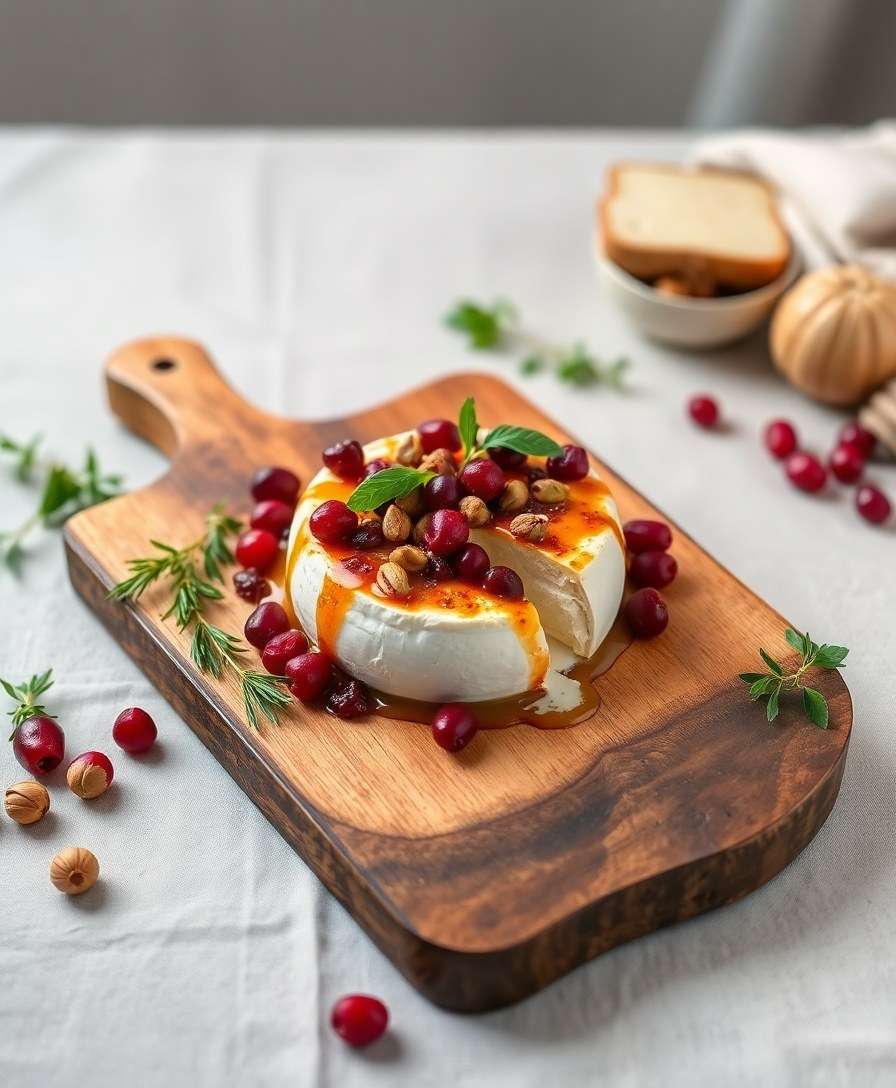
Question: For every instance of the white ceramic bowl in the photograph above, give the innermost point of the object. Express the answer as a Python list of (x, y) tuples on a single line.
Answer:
[(692, 322)]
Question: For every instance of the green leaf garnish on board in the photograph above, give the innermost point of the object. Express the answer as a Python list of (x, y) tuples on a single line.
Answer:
[(778, 682)]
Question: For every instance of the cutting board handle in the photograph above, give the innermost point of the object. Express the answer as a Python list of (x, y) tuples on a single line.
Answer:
[(169, 391)]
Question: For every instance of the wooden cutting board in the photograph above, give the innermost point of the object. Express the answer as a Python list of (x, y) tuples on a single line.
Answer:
[(483, 876)]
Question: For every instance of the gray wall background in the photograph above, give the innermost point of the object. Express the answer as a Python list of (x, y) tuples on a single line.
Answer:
[(447, 62)]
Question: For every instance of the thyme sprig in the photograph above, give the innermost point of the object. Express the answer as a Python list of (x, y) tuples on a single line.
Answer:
[(774, 683)]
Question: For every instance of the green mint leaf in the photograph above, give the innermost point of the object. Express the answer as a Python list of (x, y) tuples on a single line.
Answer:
[(761, 687), (521, 440), (391, 483), (468, 425), (532, 364), (816, 707), (775, 666), (483, 326), (796, 640), (771, 709), (830, 657), (751, 677)]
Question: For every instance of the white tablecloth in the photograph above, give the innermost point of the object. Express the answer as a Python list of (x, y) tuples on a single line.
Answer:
[(316, 268)]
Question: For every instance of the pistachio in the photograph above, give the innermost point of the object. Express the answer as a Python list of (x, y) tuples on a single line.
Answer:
[(27, 802), (74, 870), (392, 580), (410, 450), (411, 558), (420, 528), (514, 497), (549, 491), (475, 511), (412, 504), (531, 527), (396, 525), (440, 461)]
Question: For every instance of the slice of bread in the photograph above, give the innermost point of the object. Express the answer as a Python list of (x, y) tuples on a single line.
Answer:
[(702, 225)]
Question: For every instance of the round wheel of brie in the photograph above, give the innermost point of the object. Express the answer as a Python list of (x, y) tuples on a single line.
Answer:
[(446, 640)]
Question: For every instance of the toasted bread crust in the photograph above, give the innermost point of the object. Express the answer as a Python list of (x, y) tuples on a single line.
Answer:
[(648, 263)]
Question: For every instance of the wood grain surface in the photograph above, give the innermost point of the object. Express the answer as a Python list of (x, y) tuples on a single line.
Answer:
[(486, 875)]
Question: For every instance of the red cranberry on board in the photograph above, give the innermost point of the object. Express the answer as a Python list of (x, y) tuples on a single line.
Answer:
[(470, 563), (704, 411), (267, 620), (646, 613), (375, 466), (508, 459), (281, 649), (454, 727), (437, 434), (483, 478), (257, 548), (89, 775), (134, 731), (39, 744), (250, 585), (349, 699), (359, 1019), (570, 464), (503, 582), (273, 515), (644, 535), (780, 438), (806, 472), (345, 459), (847, 463), (442, 493), (872, 504), (309, 675), (655, 569), (275, 483), (369, 534), (333, 522), (447, 531), (856, 435), (437, 570)]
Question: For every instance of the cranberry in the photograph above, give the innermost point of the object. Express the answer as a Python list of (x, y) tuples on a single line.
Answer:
[(250, 585), (508, 459), (39, 744), (275, 483), (437, 434), (375, 466), (349, 699), (447, 531), (442, 493), (369, 534), (806, 472), (134, 730), (643, 535), (273, 515), (470, 563), (873, 504), (503, 582), (89, 775), (655, 569), (359, 1019), (454, 727), (437, 570), (570, 464), (483, 478), (345, 460), (780, 438), (847, 463), (257, 548), (308, 674), (704, 411), (267, 620), (646, 613), (281, 649), (333, 522), (856, 435)]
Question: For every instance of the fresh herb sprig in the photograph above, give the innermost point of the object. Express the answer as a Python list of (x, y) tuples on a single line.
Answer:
[(212, 649), (63, 493), (774, 683), (497, 327), (26, 696)]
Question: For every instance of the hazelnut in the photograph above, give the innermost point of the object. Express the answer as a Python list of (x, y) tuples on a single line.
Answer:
[(396, 525), (74, 870), (475, 511), (531, 527), (89, 775), (411, 558), (410, 450), (411, 504), (514, 497), (27, 802), (549, 491), (392, 580), (420, 528), (440, 461)]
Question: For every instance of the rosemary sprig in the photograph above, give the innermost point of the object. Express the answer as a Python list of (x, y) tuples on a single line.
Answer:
[(771, 685), (26, 695), (212, 649)]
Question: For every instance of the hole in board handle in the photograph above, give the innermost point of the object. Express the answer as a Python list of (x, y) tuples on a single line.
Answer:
[(163, 364)]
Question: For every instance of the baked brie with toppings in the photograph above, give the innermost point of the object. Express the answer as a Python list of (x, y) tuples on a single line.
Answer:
[(433, 564)]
